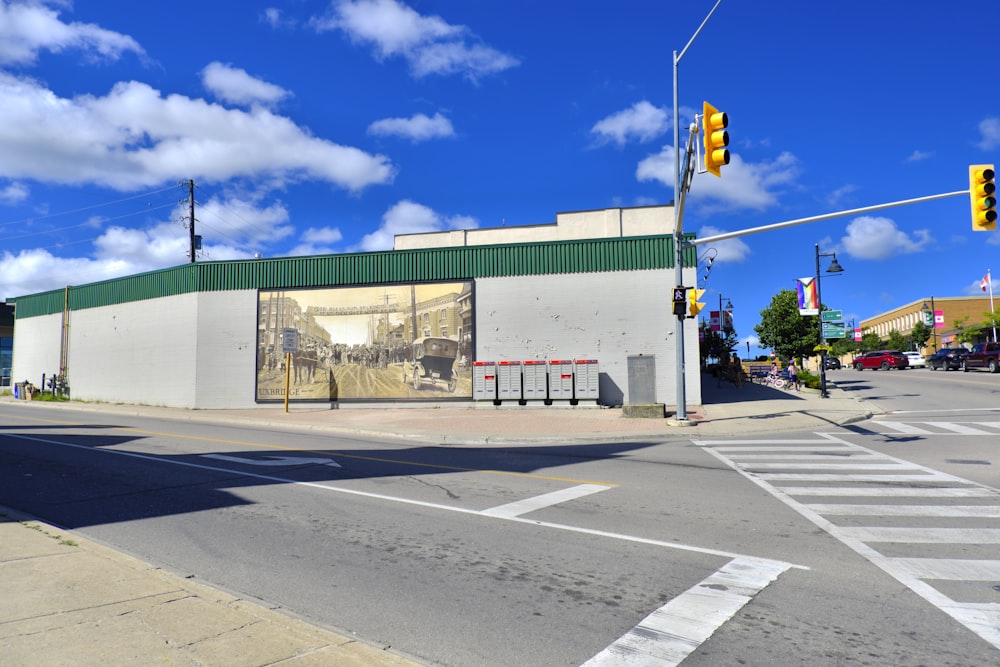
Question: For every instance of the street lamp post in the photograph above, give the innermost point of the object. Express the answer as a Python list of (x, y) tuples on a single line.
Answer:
[(833, 268), (933, 320)]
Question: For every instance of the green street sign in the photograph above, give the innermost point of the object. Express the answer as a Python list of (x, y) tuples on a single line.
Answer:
[(832, 315), (834, 330)]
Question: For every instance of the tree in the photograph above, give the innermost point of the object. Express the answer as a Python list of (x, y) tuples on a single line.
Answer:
[(870, 341), (919, 335), (783, 330), (896, 341), (717, 344), (842, 346), (965, 334)]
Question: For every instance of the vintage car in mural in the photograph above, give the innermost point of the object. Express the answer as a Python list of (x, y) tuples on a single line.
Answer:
[(433, 362)]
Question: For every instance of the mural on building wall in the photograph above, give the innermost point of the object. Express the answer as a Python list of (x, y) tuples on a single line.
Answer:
[(382, 342)]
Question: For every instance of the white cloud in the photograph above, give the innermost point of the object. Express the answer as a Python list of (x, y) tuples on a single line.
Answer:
[(13, 193), (416, 128), (871, 237), (317, 241), (744, 185), (428, 43), (919, 156), (408, 217), (26, 28), (234, 85), (641, 122), (989, 133), (275, 18), (730, 250), (134, 137)]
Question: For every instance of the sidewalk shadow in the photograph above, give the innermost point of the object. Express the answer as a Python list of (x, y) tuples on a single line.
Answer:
[(714, 394)]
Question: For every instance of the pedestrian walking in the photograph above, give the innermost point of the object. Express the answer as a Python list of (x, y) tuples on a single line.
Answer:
[(793, 375)]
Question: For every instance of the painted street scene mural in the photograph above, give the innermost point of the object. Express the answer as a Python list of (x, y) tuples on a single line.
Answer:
[(385, 342)]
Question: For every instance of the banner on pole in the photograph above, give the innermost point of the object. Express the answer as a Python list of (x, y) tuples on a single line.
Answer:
[(806, 290)]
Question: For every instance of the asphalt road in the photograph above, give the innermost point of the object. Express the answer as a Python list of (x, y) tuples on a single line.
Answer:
[(546, 555)]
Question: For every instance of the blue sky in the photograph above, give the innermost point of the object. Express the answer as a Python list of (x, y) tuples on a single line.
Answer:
[(327, 126)]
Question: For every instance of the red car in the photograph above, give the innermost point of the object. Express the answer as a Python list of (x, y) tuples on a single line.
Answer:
[(884, 359)]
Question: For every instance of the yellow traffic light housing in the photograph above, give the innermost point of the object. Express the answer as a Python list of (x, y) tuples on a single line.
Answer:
[(716, 138), (695, 306), (982, 193)]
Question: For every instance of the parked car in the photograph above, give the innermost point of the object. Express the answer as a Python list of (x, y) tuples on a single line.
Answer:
[(832, 363), (948, 358), (983, 355), (915, 360), (884, 359)]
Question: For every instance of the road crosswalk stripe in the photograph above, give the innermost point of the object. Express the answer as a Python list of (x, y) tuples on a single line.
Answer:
[(943, 492), (903, 427), (977, 511), (671, 633), (953, 569), (923, 535), (960, 428), (832, 456), (751, 465), (856, 477)]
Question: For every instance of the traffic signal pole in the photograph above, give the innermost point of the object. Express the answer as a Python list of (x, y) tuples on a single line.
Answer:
[(817, 218)]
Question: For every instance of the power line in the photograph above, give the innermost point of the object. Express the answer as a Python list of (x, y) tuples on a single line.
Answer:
[(87, 224), (85, 208)]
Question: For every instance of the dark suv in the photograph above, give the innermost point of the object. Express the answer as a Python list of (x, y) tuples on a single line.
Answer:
[(948, 358), (884, 359)]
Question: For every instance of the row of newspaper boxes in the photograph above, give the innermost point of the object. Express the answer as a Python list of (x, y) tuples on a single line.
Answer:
[(547, 380)]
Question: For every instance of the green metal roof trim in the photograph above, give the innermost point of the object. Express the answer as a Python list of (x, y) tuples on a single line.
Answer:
[(390, 266)]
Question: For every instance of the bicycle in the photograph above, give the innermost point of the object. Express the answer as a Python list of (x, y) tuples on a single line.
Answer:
[(774, 380)]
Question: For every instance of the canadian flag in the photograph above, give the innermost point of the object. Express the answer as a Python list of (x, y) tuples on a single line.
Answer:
[(985, 282)]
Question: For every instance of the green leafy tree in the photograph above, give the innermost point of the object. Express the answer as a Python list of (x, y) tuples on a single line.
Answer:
[(965, 333), (843, 346), (919, 335), (717, 344), (870, 341), (782, 329), (896, 341)]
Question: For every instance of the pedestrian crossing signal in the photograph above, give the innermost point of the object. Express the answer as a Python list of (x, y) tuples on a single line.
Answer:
[(680, 301)]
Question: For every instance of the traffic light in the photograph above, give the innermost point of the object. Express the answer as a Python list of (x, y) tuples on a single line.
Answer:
[(716, 138), (695, 306), (982, 192), (680, 301)]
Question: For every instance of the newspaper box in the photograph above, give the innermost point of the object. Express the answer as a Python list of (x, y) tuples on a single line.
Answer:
[(484, 380), (586, 380), (560, 380), (509, 380), (534, 380)]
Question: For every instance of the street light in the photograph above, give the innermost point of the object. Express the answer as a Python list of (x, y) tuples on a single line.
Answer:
[(833, 268), (931, 319), (722, 314)]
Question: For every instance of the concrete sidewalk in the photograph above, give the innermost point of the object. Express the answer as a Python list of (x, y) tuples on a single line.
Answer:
[(69, 601)]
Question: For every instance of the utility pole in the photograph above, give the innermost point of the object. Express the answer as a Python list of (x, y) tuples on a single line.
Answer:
[(191, 215)]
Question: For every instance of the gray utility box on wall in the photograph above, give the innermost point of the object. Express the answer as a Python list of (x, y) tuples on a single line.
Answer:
[(642, 380), (509, 381), (535, 380), (586, 380), (484, 381)]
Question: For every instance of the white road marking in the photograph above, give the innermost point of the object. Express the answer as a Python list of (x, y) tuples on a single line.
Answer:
[(924, 535), (960, 428), (860, 491), (830, 466), (977, 511), (955, 569), (672, 632), (274, 460), (901, 427), (520, 507), (981, 618)]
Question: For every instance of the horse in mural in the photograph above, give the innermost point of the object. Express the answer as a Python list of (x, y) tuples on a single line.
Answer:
[(304, 364)]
